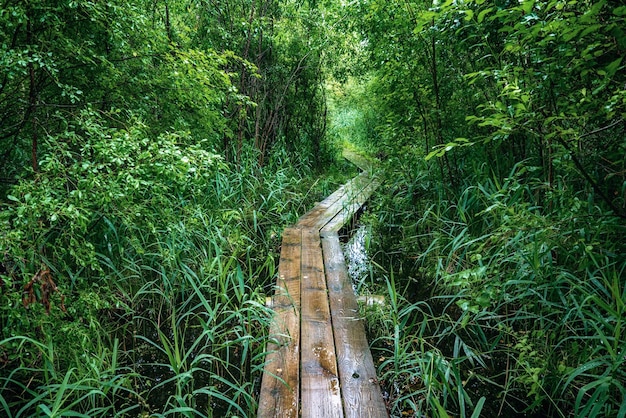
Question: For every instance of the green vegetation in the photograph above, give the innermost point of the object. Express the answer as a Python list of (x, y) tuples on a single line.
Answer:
[(500, 238), (151, 154)]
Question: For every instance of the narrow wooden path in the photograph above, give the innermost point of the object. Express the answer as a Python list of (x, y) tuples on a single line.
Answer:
[(319, 363)]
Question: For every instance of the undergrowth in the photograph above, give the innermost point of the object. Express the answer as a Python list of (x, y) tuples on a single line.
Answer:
[(146, 267), (496, 303)]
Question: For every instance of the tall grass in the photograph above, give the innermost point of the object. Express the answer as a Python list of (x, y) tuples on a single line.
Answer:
[(173, 322), (497, 297), (416, 374), (97, 386)]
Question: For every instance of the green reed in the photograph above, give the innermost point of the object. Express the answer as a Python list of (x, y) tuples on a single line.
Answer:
[(507, 297)]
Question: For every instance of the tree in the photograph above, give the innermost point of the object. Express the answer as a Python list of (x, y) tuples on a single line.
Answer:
[(504, 126)]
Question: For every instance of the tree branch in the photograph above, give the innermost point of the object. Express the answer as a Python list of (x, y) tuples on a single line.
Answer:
[(587, 177), (617, 122)]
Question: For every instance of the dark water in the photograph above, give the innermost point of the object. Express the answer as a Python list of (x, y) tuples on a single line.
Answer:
[(158, 380)]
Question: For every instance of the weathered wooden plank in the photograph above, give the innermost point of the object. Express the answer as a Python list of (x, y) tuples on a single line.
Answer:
[(323, 212), (314, 214), (347, 200), (356, 201), (302, 376), (359, 387), (358, 160), (320, 391), (280, 385)]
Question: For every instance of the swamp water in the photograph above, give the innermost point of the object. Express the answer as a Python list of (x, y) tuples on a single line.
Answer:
[(162, 385), (357, 257)]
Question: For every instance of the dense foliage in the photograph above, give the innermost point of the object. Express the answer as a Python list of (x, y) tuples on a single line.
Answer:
[(151, 152), (503, 128)]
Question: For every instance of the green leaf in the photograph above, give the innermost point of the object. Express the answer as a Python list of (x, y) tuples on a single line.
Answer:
[(528, 5), (45, 410), (481, 15), (571, 34), (479, 407), (467, 305), (440, 409), (74, 414), (597, 399), (590, 29), (620, 11), (622, 411), (612, 68), (439, 151), (582, 369), (13, 198)]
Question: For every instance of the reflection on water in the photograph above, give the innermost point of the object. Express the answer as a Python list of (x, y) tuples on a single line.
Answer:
[(355, 251)]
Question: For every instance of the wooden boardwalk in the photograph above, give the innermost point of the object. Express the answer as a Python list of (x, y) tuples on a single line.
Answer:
[(319, 363)]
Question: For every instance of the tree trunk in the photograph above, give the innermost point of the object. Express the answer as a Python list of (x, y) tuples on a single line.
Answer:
[(32, 95)]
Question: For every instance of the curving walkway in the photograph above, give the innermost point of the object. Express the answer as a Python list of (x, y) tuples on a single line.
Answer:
[(318, 363)]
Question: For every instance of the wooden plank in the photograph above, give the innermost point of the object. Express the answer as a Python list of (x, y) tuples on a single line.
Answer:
[(320, 215), (314, 214), (320, 391), (337, 222), (360, 390), (346, 201), (280, 385), (358, 160), (309, 333)]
